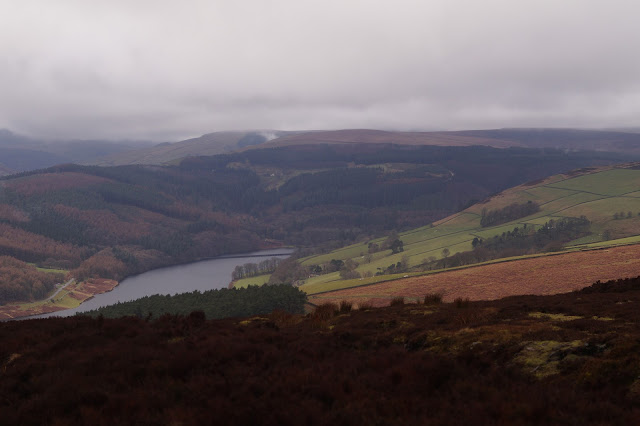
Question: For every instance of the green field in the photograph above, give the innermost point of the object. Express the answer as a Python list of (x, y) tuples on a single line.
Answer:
[(257, 280), (62, 300), (598, 196)]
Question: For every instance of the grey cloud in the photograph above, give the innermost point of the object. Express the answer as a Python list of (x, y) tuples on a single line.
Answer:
[(169, 69)]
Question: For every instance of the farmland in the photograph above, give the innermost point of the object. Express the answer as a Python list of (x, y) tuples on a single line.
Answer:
[(245, 282), (541, 275), (608, 197), (70, 297)]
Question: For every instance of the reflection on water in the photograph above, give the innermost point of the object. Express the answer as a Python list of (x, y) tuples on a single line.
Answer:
[(203, 275)]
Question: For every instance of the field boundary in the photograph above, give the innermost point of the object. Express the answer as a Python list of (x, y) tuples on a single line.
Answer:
[(479, 265)]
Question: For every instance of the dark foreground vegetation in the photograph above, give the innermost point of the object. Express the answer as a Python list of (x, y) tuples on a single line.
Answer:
[(223, 303), (567, 359)]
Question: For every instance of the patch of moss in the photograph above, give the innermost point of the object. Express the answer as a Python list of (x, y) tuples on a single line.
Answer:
[(554, 317), (252, 320), (542, 357), (595, 317)]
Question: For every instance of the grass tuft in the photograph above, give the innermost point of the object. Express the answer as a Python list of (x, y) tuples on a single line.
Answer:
[(432, 298), (397, 301), (345, 306), (461, 303), (365, 306), (325, 311)]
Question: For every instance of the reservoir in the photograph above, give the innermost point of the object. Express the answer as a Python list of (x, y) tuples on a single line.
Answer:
[(203, 275)]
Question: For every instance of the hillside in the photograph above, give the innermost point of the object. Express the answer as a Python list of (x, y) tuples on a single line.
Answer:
[(537, 275), (575, 139), (110, 223), (565, 359), (609, 198)]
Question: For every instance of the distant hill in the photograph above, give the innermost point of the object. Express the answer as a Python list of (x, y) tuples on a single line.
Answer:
[(223, 142), (19, 153), (367, 136), (572, 139), (209, 144)]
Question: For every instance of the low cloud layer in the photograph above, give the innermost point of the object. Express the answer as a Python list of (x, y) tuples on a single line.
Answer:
[(167, 70)]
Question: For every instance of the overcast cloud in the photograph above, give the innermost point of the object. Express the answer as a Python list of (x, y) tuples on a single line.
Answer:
[(168, 70)]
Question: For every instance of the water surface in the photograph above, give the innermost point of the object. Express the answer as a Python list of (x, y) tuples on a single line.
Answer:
[(204, 275)]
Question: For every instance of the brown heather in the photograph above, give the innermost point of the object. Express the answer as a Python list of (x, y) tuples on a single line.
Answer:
[(572, 358)]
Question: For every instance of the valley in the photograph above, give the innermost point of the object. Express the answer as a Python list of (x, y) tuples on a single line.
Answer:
[(113, 222)]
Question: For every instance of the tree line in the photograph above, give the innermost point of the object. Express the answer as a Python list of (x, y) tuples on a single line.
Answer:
[(521, 240), (222, 303), (252, 269), (507, 214)]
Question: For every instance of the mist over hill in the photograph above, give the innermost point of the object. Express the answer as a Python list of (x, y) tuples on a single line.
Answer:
[(208, 144), (20, 153)]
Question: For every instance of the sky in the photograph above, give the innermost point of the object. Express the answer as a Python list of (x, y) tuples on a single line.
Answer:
[(166, 70)]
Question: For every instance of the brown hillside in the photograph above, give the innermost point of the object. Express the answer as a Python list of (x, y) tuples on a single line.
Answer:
[(540, 276)]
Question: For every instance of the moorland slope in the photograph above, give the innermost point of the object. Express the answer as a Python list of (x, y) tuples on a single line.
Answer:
[(566, 359), (537, 275)]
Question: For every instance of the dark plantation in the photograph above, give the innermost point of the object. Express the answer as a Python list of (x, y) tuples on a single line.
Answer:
[(223, 303)]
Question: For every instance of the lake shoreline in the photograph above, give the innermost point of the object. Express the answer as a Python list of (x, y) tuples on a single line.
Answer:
[(78, 292), (227, 262)]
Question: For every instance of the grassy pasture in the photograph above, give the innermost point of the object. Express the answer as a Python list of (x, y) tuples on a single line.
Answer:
[(257, 280), (612, 182)]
